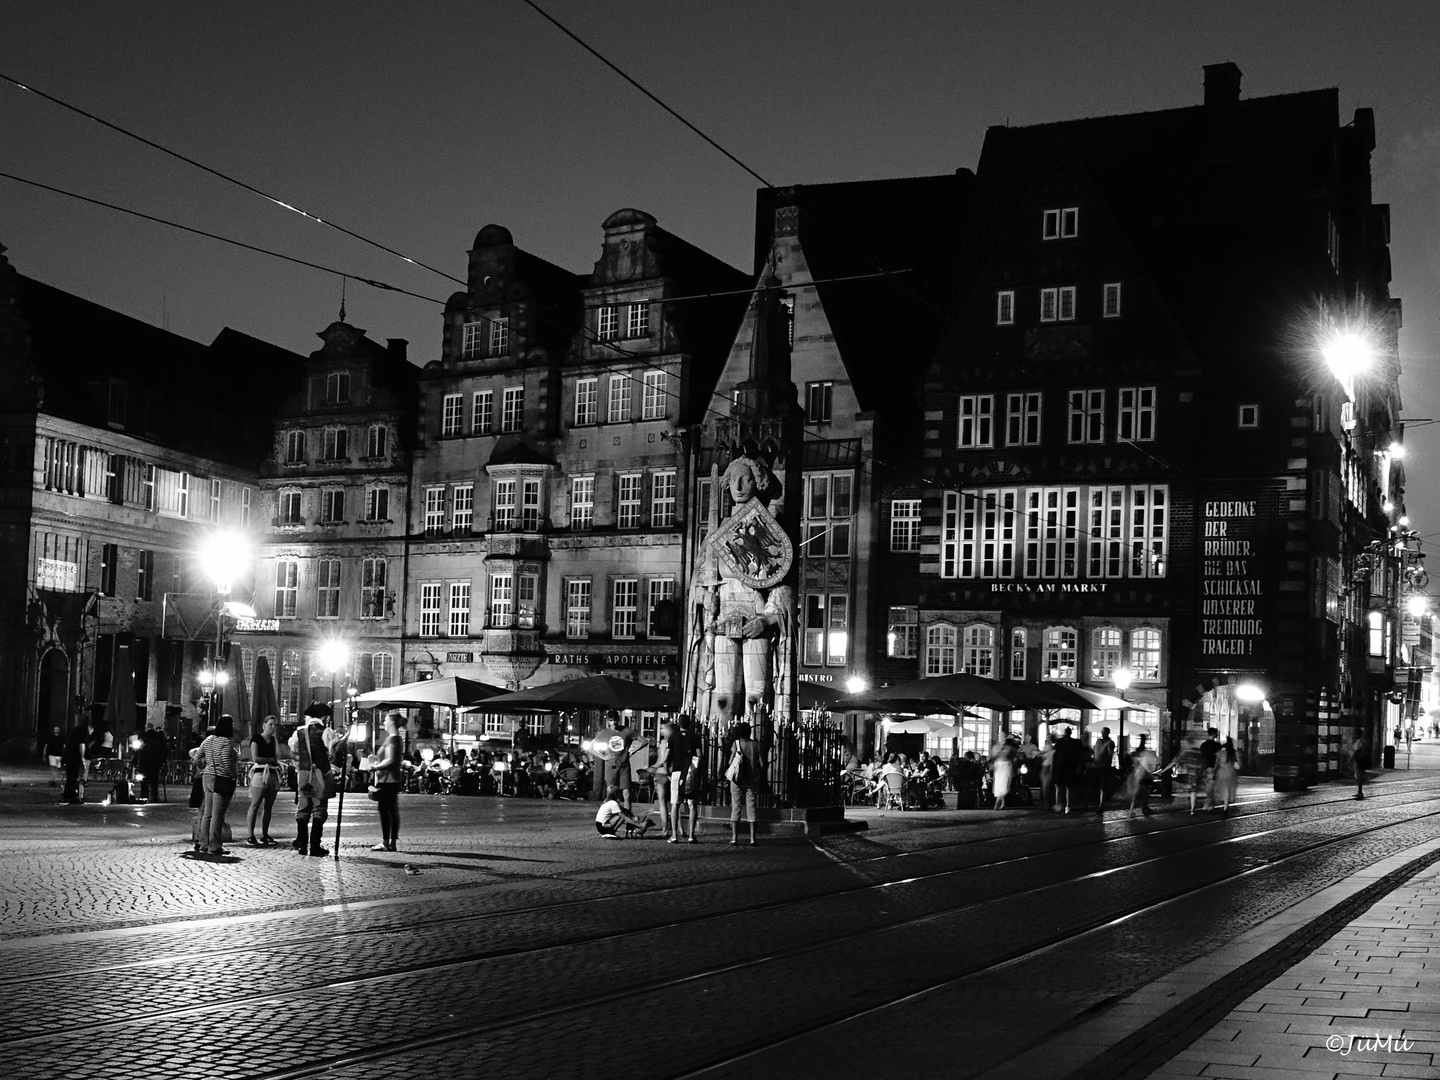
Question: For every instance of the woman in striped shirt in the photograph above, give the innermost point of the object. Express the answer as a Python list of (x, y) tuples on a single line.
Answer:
[(221, 763)]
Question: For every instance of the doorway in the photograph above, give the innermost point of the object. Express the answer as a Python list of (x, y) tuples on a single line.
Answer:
[(53, 707), (1250, 724)]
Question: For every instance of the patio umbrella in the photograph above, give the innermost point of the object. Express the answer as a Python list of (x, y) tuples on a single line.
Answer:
[(817, 696), (120, 705), (451, 690), (237, 697), (264, 703), (1074, 697), (946, 693), (590, 692), (919, 725)]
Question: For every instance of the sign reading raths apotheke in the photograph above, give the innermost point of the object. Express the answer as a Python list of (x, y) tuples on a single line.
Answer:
[(1238, 588)]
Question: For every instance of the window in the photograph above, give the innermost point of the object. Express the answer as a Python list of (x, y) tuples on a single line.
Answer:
[(434, 510), (627, 515), (512, 408), (373, 572), (661, 590), (459, 608), (1062, 224), (1049, 304), (1148, 530), (577, 608), (290, 512), (825, 514), (294, 447), (662, 499), (1248, 416), (290, 684), (587, 394), (182, 494), (1376, 637), (624, 608), (430, 609), (619, 402), (327, 589), (837, 648), (530, 506), (332, 505), (637, 319), (462, 513), (452, 411), (499, 336), (1022, 419), (482, 412), (1067, 303), (904, 526), (1135, 420), (144, 574), (377, 504), (244, 507), (582, 502), (1111, 307), (1060, 654), (979, 655), (939, 650), (607, 325), (1017, 653), (652, 405), (1005, 307), (109, 568), (818, 401), (504, 515), (527, 590), (827, 629), (472, 334), (1087, 416), (150, 487), (382, 670), (337, 387), (215, 490), (337, 444), (902, 634), (114, 479), (287, 587), (977, 413), (1145, 654), (375, 441), (1104, 653)]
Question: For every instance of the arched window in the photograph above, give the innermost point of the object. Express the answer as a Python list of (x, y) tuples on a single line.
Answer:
[(1060, 653), (1145, 654), (1104, 652), (980, 651), (1018, 645), (382, 668), (939, 650), (290, 685)]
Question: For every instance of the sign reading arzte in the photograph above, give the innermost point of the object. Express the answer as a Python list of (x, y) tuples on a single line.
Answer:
[(1232, 587)]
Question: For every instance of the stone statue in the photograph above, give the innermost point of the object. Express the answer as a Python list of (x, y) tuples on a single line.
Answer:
[(739, 608)]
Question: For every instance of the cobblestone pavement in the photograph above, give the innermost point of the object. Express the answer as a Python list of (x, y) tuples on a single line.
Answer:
[(938, 944)]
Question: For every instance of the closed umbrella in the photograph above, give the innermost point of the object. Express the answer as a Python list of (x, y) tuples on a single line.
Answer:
[(237, 696), (264, 702), (119, 717)]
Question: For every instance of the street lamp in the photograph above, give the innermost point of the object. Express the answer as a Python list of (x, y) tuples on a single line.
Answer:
[(222, 556), (1347, 353), (1123, 677)]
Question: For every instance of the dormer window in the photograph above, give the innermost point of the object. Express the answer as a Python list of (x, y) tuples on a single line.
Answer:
[(471, 339), (637, 320), (1060, 224), (337, 387), (499, 337), (608, 322)]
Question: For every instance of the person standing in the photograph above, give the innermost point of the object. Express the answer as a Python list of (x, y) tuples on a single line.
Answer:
[(616, 739), (660, 770), (264, 781), (1227, 779), (1066, 769), (221, 769), (1100, 766), (75, 761), (150, 759), (691, 787), (1002, 768), (1143, 764), (679, 767), (54, 753), (386, 778), (1208, 750), (313, 786), (744, 774), (1360, 760)]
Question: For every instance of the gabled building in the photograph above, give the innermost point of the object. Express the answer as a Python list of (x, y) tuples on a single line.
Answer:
[(1136, 457)]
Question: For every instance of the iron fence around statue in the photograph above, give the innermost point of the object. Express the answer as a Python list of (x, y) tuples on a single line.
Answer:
[(803, 764)]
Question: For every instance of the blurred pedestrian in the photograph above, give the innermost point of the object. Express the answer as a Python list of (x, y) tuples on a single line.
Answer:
[(1143, 765), (1047, 773), (691, 787), (313, 786), (744, 773), (54, 753), (1002, 768), (1102, 766), (76, 762), (150, 759), (1208, 750), (264, 781), (1066, 769), (1359, 760), (386, 778), (1227, 779), (660, 770), (221, 767)]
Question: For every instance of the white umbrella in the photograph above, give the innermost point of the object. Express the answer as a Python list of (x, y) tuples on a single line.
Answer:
[(918, 725)]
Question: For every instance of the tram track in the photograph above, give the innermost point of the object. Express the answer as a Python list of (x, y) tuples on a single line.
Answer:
[(453, 963)]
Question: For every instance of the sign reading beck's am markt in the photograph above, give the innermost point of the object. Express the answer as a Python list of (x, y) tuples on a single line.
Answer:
[(1236, 598)]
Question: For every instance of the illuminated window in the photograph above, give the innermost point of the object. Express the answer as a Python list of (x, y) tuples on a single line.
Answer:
[(902, 634), (1060, 654), (979, 656), (1145, 654), (905, 525), (1377, 633), (940, 648), (1104, 653)]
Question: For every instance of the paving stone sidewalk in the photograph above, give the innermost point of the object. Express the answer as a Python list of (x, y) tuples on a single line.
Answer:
[(1366, 1003)]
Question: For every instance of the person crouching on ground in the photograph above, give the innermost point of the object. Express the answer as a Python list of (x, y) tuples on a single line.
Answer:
[(313, 786), (221, 764), (612, 816)]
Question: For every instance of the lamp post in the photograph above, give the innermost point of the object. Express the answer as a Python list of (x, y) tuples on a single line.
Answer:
[(333, 655), (1123, 677), (221, 558)]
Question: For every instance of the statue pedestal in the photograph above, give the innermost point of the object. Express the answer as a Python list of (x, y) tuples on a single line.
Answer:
[(791, 823)]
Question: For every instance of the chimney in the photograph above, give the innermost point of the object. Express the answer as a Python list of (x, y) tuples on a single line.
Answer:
[(1222, 85), (397, 347)]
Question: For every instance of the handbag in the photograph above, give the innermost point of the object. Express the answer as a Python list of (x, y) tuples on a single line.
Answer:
[(373, 792), (733, 772), (224, 785), (197, 793)]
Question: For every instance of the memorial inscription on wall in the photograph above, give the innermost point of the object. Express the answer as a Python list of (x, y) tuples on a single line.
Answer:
[(1237, 583)]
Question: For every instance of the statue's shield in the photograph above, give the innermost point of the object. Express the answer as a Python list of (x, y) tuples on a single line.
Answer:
[(751, 544)]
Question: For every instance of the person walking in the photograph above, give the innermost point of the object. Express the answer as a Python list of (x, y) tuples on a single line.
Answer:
[(744, 773), (679, 757), (76, 762), (1047, 774), (221, 769), (386, 778), (1208, 750), (1359, 760), (1143, 764), (54, 754), (150, 760), (1002, 769), (264, 782), (1100, 768), (313, 786), (1065, 769), (1227, 778)]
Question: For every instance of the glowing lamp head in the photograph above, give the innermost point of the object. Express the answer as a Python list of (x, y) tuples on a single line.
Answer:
[(222, 678), (1249, 693), (1348, 354), (1396, 450), (856, 685), (222, 556), (333, 655), (1404, 520), (1417, 604), (1123, 678)]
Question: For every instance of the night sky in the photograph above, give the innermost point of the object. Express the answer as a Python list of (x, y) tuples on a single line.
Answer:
[(417, 124)]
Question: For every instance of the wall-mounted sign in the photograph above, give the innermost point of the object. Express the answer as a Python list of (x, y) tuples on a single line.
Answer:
[(257, 626), (805, 676), (612, 658), (459, 657), (1049, 586), (1237, 585), (57, 575)]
